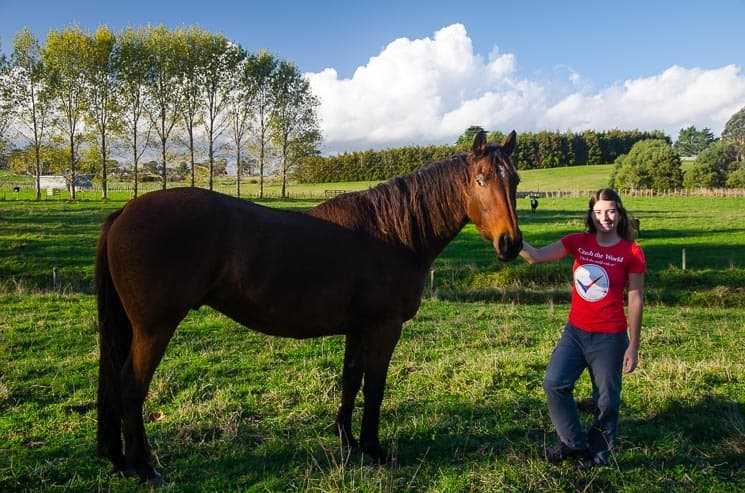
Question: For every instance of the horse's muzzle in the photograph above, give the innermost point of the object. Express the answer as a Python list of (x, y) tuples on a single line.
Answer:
[(508, 247)]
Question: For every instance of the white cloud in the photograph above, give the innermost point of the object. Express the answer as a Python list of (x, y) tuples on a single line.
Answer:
[(425, 91)]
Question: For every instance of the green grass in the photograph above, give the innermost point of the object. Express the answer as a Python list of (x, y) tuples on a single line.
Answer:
[(569, 178), (37, 238), (233, 410), (710, 230)]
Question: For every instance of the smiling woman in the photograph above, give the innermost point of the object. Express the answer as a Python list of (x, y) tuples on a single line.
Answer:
[(606, 261)]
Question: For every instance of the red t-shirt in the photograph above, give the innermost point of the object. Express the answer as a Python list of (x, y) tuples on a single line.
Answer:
[(600, 277)]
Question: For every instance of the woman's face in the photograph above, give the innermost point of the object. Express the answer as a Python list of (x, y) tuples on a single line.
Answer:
[(605, 216)]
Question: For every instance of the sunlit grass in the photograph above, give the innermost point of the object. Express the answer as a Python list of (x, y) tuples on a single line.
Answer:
[(464, 410)]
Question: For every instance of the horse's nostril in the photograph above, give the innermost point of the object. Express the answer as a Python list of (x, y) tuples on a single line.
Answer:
[(509, 247), (504, 242)]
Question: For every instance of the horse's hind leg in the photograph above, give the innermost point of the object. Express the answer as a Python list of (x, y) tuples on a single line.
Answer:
[(351, 380), (145, 354)]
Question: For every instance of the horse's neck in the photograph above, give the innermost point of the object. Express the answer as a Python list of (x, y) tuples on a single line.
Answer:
[(422, 212)]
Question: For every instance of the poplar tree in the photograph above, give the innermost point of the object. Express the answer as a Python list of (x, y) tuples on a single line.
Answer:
[(30, 97), (262, 71), (220, 61), (131, 68), (102, 109), (64, 65), (294, 122), (164, 88)]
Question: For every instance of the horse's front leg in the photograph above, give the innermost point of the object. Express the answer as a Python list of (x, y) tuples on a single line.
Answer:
[(351, 380), (376, 356)]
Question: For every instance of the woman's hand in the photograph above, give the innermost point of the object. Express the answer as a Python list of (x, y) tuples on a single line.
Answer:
[(630, 359)]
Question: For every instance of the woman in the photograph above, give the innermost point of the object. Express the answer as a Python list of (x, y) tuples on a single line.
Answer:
[(597, 335)]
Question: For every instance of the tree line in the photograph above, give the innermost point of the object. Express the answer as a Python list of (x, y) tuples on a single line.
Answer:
[(145, 91), (655, 165), (534, 150), (643, 160)]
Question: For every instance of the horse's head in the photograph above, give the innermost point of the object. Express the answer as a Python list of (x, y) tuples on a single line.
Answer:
[(492, 192)]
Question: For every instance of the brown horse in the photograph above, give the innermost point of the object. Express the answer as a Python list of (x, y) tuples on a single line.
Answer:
[(354, 265)]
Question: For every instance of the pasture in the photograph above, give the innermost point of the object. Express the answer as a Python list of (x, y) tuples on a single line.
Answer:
[(233, 410)]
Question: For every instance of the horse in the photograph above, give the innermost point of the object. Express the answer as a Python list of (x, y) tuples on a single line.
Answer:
[(354, 265)]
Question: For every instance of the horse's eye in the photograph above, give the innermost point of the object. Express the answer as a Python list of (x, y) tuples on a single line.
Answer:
[(480, 180)]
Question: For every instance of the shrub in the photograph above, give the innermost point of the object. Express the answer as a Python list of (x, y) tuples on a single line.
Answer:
[(650, 164), (736, 178), (712, 167)]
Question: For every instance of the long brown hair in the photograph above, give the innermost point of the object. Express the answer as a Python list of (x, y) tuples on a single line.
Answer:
[(625, 227)]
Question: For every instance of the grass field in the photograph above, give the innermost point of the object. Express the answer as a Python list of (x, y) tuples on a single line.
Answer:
[(233, 410), (570, 178)]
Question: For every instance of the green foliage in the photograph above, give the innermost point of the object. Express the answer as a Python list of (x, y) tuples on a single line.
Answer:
[(550, 150), (651, 164), (534, 151), (736, 178), (464, 142), (692, 142), (734, 132), (712, 167)]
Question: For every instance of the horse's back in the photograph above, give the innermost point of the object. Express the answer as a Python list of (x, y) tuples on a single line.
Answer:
[(279, 272)]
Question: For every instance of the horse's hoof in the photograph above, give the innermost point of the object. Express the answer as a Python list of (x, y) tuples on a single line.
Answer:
[(381, 457), (146, 475), (388, 461), (155, 479)]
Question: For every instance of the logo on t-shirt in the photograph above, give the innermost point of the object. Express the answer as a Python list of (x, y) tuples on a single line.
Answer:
[(591, 282)]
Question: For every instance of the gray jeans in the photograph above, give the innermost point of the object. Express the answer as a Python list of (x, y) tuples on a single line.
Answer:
[(602, 354)]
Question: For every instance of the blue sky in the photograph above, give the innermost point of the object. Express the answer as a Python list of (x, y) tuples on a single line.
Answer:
[(419, 72)]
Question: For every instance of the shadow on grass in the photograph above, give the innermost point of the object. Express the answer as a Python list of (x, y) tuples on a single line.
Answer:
[(701, 442), (705, 435), (676, 443)]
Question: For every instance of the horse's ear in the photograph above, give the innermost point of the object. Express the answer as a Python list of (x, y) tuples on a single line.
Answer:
[(479, 143), (509, 143)]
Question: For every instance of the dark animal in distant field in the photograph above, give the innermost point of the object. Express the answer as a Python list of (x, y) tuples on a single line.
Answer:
[(354, 265)]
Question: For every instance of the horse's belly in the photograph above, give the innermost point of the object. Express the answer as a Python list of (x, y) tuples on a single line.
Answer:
[(290, 315)]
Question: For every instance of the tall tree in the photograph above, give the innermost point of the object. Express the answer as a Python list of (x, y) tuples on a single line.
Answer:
[(734, 133), (594, 153), (465, 141), (692, 142), (132, 70), (240, 111), (164, 88), (64, 59), (6, 104), (294, 120), (31, 99), (102, 110), (262, 71), (191, 42), (221, 59)]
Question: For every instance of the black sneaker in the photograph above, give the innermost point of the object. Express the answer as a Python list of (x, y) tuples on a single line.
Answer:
[(587, 462), (561, 451)]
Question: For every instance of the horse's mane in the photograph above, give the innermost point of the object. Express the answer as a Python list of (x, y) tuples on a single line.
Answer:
[(412, 210)]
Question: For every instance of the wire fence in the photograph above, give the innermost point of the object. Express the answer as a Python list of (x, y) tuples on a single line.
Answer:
[(311, 192)]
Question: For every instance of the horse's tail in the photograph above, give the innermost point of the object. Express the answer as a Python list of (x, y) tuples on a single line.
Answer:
[(115, 339)]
